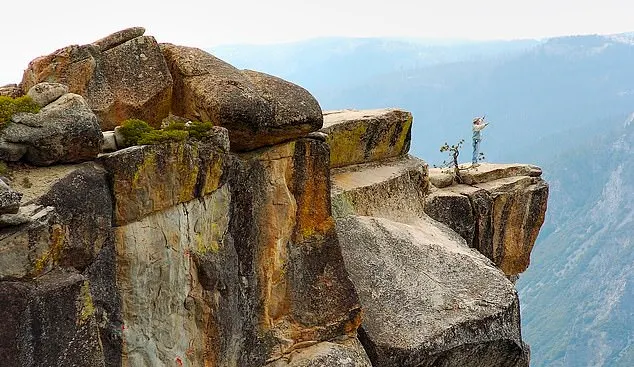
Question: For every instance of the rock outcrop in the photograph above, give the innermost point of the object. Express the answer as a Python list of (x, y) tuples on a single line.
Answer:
[(11, 90), (499, 211), (428, 298), (263, 242)]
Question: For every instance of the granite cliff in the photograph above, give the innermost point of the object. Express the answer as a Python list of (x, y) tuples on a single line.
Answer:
[(283, 236)]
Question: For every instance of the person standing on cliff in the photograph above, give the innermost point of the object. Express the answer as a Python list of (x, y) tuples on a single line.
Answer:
[(478, 125)]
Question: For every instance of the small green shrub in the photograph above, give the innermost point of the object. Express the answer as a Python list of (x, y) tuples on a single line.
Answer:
[(452, 163), (162, 136), (133, 130), (10, 106), (138, 132), (199, 130)]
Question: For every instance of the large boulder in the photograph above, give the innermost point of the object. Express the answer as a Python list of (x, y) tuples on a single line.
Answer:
[(428, 299), (362, 136), (121, 76), (64, 131), (257, 109)]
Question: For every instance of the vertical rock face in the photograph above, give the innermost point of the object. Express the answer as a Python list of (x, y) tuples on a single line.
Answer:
[(167, 315), (121, 76), (225, 260)]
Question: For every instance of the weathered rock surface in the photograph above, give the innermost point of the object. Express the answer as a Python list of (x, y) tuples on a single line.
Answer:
[(42, 237), (428, 299), (45, 93), (500, 217), (167, 314), (26, 251), (85, 215), (152, 178), (346, 353), (255, 270), (9, 199), (393, 189), (120, 76), (64, 131), (11, 90), (367, 135), (49, 322), (67, 224), (139, 82), (257, 109), (454, 209)]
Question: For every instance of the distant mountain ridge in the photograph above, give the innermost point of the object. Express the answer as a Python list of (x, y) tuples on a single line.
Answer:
[(528, 89)]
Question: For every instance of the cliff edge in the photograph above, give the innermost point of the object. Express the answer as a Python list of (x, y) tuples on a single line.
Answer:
[(249, 228)]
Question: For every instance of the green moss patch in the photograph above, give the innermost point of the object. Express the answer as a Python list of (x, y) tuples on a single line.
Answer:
[(10, 106), (138, 132)]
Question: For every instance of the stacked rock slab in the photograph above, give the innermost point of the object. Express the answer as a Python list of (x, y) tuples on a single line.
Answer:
[(498, 210), (428, 299), (364, 136)]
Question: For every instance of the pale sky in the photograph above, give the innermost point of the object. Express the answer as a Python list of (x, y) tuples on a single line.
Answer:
[(39, 27)]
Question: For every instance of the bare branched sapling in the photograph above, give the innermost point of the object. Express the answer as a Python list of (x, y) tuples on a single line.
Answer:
[(452, 163)]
